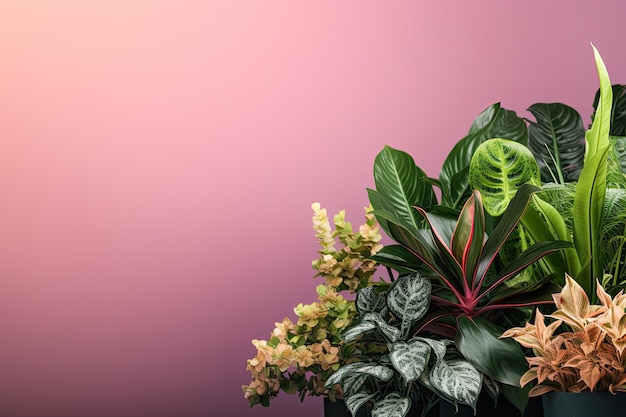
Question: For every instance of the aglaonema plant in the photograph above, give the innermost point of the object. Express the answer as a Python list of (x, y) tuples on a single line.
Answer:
[(470, 298), (395, 368)]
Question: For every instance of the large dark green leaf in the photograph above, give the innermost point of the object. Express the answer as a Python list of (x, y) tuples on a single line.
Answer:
[(479, 342), (618, 113), (402, 185), (557, 139), (492, 122)]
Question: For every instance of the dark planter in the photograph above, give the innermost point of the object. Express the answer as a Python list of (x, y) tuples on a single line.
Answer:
[(486, 408), (338, 409), (584, 404)]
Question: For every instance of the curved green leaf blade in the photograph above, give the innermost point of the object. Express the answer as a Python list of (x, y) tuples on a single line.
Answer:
[(591, 188), (498, 168), (557, 139), (478, 340)]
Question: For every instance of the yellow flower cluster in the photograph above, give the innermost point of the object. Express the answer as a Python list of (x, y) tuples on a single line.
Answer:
[(348, 268), (299, 357)]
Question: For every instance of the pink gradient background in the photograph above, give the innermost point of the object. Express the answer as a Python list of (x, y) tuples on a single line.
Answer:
[(159, 159)]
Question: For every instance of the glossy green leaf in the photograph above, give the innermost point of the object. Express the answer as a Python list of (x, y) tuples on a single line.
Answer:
[(492, 122), (478, 340), (557, 139), (403, 185), (618, 112), (498, 168)]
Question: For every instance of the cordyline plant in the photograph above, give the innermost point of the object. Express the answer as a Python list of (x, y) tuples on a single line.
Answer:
[(469, 292), (591, 356), (299, 357)]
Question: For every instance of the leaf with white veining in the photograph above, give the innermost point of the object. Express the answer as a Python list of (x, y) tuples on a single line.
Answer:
[(393, 405), (409, 299), (410, 359), (457, 380)]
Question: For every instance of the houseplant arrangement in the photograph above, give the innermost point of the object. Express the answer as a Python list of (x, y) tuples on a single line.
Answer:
[(519, 204), (485, 269)]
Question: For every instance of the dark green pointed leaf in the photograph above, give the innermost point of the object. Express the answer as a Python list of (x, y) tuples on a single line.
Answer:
[(403, 185), (618, 113), (397, 257), (478, 340), (557, 139)]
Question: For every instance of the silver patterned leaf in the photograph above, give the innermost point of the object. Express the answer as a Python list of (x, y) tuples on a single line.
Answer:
[(356, 400), (391, 332), (357, 330), (393, 405), (354, 383), (409, 299), (382, 373), (369, 300), (410, 359), (457, 381), (438, 346)]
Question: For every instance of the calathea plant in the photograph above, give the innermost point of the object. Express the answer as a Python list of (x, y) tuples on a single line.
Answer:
[(582, 176), (394, 364)]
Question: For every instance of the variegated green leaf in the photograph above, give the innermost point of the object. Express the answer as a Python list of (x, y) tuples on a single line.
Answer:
[(409, 299), (393, 405), (410, 359), (368, 299), (457, 380), (392, 333)]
